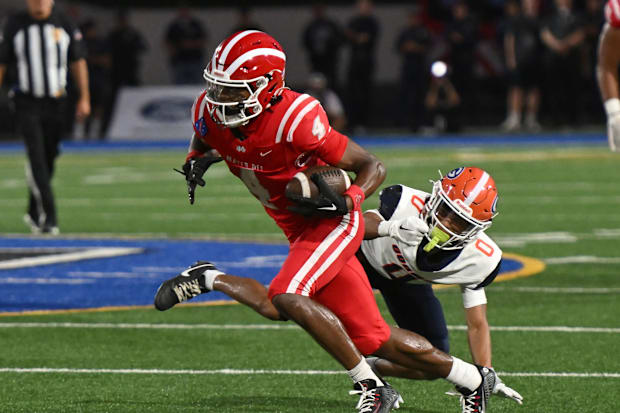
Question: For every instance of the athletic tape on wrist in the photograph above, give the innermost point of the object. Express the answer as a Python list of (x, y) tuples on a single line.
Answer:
[(612, 106), (357, 196)]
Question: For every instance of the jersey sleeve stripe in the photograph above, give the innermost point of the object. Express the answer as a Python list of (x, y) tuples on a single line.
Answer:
[(615, 6), (198, 107), (477, 189), (222, 58), (298, 118), (252, 54), (288, 114)]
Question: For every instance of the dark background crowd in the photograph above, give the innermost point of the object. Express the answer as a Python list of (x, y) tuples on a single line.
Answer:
[(512, 65)]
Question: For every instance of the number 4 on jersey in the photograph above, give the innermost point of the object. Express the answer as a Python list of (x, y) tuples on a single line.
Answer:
[(318, 129)]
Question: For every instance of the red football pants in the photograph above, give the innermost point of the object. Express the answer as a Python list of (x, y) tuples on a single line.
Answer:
[(322, 265)]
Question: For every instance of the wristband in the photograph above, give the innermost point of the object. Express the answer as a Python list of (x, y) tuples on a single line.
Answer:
[(357, 196), (612, 106), (193, 154)]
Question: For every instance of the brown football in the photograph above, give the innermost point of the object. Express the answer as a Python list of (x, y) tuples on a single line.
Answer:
[(302, 186)]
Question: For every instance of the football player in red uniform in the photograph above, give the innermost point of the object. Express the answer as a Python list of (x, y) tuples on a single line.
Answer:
[(266, 133), (607, 71)]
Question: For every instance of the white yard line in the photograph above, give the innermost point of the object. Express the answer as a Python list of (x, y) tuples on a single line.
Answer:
[(275, 326), (582, 259), (558, 290), (275, 372)]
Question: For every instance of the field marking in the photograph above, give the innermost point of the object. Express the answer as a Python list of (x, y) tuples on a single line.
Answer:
[(45, 281), (276, 372), (70, 256), (275, 326), (582, 259), (559, 290)]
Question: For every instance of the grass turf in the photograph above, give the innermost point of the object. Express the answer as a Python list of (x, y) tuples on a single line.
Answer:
[(569, 195)]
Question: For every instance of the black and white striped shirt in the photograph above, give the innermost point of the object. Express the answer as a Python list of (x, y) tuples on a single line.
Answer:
[(42, 51)]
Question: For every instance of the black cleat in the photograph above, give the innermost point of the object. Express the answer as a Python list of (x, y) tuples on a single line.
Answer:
[(476, 401), (375, 399), (183, 287)]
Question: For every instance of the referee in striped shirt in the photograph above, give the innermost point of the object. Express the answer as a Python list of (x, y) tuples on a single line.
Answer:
[(44, 45)]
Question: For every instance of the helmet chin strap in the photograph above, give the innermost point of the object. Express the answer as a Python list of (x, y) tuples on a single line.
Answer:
[(437, 236)]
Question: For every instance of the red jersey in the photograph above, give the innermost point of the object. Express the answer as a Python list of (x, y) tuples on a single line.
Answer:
[(612, 12), (286, 138)]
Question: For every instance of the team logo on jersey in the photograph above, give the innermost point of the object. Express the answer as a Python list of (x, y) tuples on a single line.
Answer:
[(455, 172), (240, 148), (303, 159), (201, 126)]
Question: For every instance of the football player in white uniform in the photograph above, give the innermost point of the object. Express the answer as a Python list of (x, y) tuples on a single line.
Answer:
[(416, 239)]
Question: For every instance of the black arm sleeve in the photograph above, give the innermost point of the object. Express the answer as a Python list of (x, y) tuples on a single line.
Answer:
[(77, 45)]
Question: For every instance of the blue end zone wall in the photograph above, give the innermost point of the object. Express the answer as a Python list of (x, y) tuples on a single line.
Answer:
[(576, 139), (131, 280)]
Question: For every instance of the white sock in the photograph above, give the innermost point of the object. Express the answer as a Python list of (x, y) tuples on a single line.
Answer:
[(362, 372), (210, 276), (464, 374)]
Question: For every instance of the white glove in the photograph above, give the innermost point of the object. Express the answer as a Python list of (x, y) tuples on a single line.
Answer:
[(501, 389), (409, 230), (612, 107)]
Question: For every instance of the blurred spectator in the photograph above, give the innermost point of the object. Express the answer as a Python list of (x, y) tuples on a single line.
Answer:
[(244, 21), (522, 50), (322, 39), (126, 46), (562, 34), (443, 103), (98, 61), (462, 35), (185, 40), (593, 20), (412, 44), (362, 32), (318, 88)]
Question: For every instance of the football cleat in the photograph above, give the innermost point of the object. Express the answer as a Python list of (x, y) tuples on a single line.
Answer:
[(184, 286), (375, 399), (476, 401), (32, 224)]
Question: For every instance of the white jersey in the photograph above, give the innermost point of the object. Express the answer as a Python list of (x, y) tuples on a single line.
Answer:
[(470, 268)]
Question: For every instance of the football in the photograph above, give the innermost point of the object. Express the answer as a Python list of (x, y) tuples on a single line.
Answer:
[(302, 186)]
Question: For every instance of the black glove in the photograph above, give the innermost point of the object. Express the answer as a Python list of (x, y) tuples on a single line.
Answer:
[(193, 170), (327, 204)]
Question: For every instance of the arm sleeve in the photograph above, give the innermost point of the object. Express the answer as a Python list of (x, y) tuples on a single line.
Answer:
[(473, 298), (313, 134), (612, 13)]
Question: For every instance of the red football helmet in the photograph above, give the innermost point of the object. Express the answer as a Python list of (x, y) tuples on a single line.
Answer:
[(461, 205), (244, 74)]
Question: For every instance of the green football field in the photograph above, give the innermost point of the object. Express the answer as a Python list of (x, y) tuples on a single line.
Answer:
[(556, 334)]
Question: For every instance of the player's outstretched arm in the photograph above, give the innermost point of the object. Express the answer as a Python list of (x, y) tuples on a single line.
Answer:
[(479, 335)]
